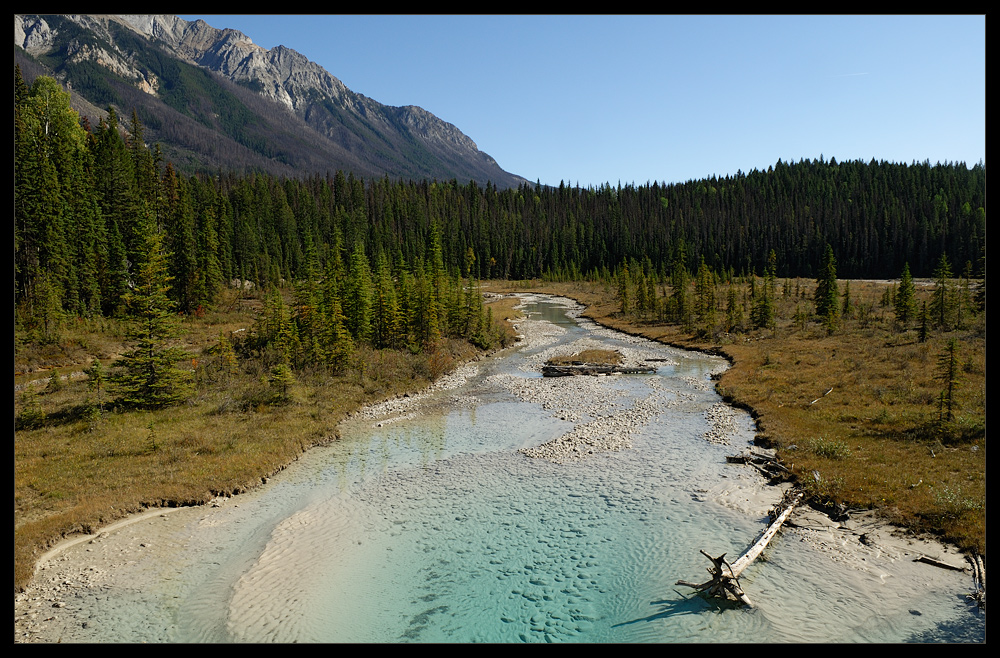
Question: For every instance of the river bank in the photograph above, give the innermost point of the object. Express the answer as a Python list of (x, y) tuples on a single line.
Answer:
[(131, 558)]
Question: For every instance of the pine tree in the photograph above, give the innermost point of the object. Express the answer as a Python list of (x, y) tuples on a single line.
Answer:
[(905, 305), (357, 296), (705, 294), (942, 302), (209, 279), (308, 308), (47, 171), (147, 376), (948, 373), (846, 309), (97, 381), (827, 292), (923, 331), (624, 288), (386, 313), (734, 310), (763, 308), (281, 380), (336, 339), (179, 223), (680, 300)]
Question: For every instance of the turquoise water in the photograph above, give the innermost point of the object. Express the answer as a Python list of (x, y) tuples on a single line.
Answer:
[(435, 528)]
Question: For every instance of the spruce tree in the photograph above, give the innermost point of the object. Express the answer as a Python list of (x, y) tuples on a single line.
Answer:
[(679, 300), (147, 376), (336, 339), (942, 302), (624, 287), (705, 294), (948, 372), (386, 313), (357, 296), (734, 310), (905, 304), (846, 308), (97, 381), (763, 307), (827, 293)]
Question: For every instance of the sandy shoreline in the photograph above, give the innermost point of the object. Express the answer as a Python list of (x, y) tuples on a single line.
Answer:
[(117, 559)]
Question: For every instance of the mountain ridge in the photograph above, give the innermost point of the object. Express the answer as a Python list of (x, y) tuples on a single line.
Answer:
[(324, 121)]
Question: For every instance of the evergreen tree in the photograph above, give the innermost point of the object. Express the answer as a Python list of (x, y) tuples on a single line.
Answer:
[(680, 300), (282, 379), (624, 290), (942, 302), (763, 308), (47, 173), (178, 217), (386, 326), (97, 381), (357, 296), (922, 333), (148, 376), (336, 339), (308, 309), (705, 294), (905, 305), (948, 368), (209, 273), (827, 295), (734, 310)]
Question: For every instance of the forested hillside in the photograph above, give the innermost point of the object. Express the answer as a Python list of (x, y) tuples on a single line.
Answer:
[(87, 198), (216, 101)]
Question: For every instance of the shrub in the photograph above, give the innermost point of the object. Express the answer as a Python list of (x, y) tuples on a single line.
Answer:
[(830, 449)]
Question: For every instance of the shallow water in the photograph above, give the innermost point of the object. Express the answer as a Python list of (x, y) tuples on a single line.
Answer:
[(435, 528)]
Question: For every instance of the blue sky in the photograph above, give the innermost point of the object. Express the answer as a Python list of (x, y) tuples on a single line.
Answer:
[(632, 99)]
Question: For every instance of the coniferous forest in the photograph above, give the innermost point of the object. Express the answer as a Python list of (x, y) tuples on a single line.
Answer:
[(86, 198), (100, 217)]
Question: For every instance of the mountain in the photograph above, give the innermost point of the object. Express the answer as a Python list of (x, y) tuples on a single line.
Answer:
[(215, 100)]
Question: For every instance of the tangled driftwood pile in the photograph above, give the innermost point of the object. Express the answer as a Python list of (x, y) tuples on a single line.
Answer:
[(725, 576)]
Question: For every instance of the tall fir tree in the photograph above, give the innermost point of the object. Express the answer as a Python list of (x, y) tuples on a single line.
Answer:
[(942, 306), (827, 292), (948, 369), (357, 296), (905, 306), (147, 376)]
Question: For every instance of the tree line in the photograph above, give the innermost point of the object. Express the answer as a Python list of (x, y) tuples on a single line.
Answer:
[(87, 198)]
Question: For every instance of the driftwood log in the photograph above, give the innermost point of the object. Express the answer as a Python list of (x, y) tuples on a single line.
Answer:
[(588, 369), (725, 576), (979, 578), (765, 461)]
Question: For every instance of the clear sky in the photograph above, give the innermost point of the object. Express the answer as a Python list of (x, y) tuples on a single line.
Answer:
[(633, 99)]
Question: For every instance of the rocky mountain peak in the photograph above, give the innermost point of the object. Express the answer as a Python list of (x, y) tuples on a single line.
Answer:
[(355, 122)]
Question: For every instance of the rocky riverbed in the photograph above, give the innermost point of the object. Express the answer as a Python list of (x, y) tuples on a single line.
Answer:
[(118, 564)]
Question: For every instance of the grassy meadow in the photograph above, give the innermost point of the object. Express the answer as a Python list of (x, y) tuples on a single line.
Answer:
[(855, 414)]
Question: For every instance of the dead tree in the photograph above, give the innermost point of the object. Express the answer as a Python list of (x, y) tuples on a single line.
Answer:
[(725, 576)]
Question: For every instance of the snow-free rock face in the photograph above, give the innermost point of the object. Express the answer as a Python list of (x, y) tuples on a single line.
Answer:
[(410, 141)]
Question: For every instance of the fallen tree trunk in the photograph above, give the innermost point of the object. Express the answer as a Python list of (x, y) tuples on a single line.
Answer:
[(725, 576), (566, 371), (979, 579)]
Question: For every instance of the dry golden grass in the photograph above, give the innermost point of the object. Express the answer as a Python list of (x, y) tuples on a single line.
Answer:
[(853, 414), (77, 469), (588, 357)]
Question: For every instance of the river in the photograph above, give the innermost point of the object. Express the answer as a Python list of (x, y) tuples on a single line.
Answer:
[(429, 522)]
